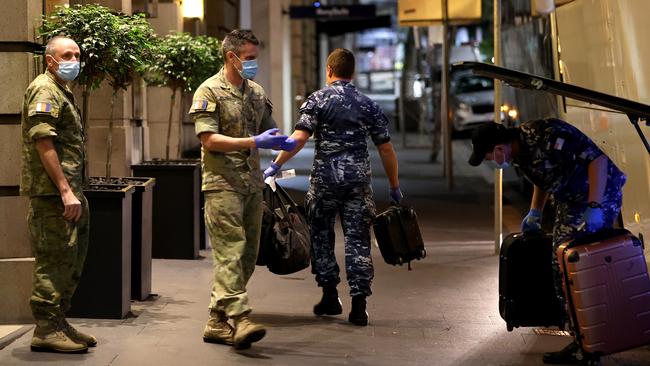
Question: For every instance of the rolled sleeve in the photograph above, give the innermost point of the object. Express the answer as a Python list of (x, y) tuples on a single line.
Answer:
[(379, 127), (308, 114), (204, 122), (204, 111), (41, 129), (307, 122)]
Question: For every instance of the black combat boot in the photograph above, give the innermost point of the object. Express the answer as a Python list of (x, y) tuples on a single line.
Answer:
[(330, 304), (569, 355), (358, 314)]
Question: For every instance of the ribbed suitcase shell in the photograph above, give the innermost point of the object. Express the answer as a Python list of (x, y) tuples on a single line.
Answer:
[(608, 291)]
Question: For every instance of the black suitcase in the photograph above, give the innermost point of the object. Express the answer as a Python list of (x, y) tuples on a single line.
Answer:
[(527, 295), (398, 235)]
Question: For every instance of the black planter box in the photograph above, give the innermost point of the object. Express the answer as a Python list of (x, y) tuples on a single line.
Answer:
[(141, 238), (104, 290), (176, 211)]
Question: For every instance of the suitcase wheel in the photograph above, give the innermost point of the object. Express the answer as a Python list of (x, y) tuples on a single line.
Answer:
[(423, 253), (591, 359), (400, 261), (509, 327)]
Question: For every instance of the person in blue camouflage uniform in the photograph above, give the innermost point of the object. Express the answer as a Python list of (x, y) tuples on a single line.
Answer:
[(561, 162), (341, 119)]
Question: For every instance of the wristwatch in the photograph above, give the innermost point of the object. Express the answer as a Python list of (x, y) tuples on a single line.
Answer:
[(594, 204)]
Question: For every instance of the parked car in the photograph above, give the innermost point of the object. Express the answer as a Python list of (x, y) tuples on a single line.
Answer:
[(472, 100)]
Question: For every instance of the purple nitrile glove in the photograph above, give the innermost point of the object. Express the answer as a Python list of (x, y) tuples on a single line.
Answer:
[(289, 144), (395, 195), (532, 221), (594, 219), (272, 170), (269, 140)]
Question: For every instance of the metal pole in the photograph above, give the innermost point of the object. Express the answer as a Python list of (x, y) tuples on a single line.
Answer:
[(498, 173), (401, 116), (444, 110)]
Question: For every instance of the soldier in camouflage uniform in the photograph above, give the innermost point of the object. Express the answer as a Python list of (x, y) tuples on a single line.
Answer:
[(52, 177), (341, 119), (229, 110), (563, 163)]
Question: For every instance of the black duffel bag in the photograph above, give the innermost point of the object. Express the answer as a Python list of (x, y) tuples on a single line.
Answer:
[(284, 241)]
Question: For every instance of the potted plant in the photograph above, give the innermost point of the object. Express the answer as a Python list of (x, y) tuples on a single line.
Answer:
[(183, 62), (114, 47)]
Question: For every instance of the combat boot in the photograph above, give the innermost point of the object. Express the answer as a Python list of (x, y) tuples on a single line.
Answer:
[(246, 332), (358, 314), (329, 304), (217, 330), (50, 337), (77, 336), (569, 355)]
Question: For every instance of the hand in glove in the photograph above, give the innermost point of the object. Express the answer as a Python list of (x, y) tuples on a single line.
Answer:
[(269, 140), (395, 195), (272, 170), (288, 145), (594, 219), (532, 221)]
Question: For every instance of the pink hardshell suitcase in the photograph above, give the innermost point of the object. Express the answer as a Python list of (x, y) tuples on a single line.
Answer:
[(606, 283)]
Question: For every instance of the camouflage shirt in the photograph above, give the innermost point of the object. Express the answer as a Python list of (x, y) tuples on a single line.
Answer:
[(49, 110), (219, 107), (341, 118), (555, 157)]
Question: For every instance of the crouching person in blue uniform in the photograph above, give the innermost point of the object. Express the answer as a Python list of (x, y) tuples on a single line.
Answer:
[(563, 163), (341, 119)]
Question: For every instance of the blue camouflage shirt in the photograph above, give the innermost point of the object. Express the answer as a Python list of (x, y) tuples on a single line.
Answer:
[(555, 156), (340, 118)]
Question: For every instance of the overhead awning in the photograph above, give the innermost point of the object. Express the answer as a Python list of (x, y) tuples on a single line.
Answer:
[(634, 110), (337, 27), (340, 19)]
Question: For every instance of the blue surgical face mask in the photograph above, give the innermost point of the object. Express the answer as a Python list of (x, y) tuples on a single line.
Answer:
[(495, 164), (249, 68), (68, 70)]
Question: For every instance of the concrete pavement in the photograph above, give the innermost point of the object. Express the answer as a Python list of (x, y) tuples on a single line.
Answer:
[(443, 312)]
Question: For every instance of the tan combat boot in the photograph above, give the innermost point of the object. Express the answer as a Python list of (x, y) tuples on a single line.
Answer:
[(246, 332), (49, 337), (77, 336), (217, 330)]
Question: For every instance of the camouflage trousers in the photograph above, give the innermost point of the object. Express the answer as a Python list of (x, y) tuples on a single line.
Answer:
[(59, 247), (234, 223), (569, 219), (356, 209)]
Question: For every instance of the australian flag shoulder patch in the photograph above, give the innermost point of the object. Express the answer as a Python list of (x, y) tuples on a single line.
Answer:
[(43, 107), (200, 105)]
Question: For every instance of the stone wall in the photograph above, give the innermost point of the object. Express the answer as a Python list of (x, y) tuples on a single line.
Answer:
[(17, 70)]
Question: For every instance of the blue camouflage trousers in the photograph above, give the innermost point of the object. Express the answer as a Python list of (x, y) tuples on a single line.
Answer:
[(356, 209), (569, 218)]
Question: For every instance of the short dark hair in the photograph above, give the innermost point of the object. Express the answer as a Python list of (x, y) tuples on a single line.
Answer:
[(342, 62), (236, 39)]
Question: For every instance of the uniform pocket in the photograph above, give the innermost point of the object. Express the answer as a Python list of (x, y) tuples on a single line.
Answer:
[(55, 234)]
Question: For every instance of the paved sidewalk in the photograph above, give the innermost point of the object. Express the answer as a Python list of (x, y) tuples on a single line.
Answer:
[(443, 312)]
